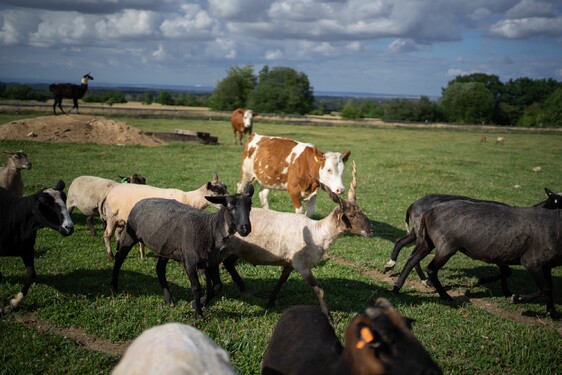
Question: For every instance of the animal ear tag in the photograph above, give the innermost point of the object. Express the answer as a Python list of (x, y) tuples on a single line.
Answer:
[(316, 159), (366, 338)]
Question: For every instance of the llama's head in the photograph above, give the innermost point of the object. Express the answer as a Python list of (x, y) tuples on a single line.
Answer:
[(87, 77)]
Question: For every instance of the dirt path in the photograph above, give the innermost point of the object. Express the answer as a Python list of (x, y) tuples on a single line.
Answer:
[(81, 338), (459, 296)]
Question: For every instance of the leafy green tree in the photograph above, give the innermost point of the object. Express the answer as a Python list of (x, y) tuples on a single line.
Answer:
[(165, 98), (148, 98), (282, 90), (2, 89), (352, 110), (469, 102), (233, 91)]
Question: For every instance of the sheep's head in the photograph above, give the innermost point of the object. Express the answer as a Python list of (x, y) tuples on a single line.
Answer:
[(350, 214), (215, 187), (18, 160)]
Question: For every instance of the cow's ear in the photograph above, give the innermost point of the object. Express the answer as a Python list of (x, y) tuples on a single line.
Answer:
[(345, 155)]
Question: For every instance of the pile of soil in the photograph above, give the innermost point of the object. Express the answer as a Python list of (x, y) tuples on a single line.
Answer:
[(76, 128)]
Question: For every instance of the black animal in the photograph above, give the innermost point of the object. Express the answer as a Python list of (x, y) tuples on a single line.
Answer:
[(416, 210), (20, 218), (501, 235), (378, 341), (69, 91), (188, 235)]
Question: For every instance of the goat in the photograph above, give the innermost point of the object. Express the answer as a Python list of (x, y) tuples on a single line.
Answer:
[(295, 241), (120, 200), (20, 218), (10, 175), (88, 192), (187, 235), (501, 235), (174, 348), (416, 210), (378, 341), (69, 91)]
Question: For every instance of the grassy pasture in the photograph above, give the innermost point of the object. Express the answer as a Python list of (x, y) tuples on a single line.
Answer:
[(395, 167)]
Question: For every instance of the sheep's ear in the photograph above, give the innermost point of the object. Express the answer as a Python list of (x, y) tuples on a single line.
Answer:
[(59, 186), (549, 192), (217, 199)]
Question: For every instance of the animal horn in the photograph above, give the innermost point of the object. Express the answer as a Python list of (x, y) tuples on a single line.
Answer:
[(352, 185), (215, 177), (332, 195)]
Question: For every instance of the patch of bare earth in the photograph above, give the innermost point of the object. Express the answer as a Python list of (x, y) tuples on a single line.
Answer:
[(78, 129), (459, 296), (81, 338)]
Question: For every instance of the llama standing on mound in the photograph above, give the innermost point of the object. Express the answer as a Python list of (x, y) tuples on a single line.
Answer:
[(69, 91)]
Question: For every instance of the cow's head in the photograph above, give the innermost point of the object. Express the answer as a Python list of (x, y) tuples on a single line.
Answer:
[(248, 118), (331, 169)]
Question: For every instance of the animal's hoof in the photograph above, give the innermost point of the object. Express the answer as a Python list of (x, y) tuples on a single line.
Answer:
[(110, 256), (427, 283), (396, 290), (388, 266), (515, 298)]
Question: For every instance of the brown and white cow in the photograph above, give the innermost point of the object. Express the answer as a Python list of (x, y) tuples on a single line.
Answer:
[(284, 164), (242, 120)]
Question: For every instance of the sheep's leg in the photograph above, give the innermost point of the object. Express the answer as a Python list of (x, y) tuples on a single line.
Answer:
[(191, 271), (161, 273), (311, 280), (398, 245), (505, 273), (285, 273), (213, 283), (107, 234), (230, 265), (28, 261), (543, 278), (420, 251), (123, 247), (438, 261), (90, 222)]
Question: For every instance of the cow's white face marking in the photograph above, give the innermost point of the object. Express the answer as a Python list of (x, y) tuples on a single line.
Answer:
[(248, 118), (332, 172)]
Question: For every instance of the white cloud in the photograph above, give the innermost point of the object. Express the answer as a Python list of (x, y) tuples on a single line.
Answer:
[(402, 45), (273, 55), (531, 8), (527, 27)]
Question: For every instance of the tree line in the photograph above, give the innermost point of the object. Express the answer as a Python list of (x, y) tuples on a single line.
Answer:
[(477, 98)]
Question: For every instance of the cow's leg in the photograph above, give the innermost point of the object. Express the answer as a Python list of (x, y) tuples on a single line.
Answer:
[(229, 264), (234, 136), (420, 251), (297, 203), (161, 273), (264, 193), (543, 278), (285, 273)]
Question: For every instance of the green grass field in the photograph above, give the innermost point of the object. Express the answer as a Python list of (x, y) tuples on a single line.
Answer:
[(394, 168)]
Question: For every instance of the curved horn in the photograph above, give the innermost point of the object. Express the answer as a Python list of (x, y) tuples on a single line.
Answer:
[(215, 177), (353, 184), (332, 195)]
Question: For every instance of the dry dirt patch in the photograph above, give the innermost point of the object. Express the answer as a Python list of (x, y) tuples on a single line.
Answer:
[(76, 128)]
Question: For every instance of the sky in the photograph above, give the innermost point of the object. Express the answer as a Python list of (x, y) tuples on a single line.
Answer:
[(395, 47)]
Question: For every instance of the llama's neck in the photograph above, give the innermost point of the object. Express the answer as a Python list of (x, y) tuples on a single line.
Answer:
[(85, 81)]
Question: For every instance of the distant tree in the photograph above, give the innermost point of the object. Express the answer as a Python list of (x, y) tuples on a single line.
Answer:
[(352, 110), (547, 113), (165, 98), (24, 92), (114, 97), (282, 90), (2, 89), (148, 98), (524, 91), (469, 102), (234, 90)]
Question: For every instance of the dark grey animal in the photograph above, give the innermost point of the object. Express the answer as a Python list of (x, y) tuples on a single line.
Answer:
[(501, 235), (416, 210), (69, 91), (187, 235), (10, 175), (378, 341), (20, 218)]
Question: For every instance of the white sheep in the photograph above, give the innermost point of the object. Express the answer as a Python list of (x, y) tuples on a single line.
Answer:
[(88, 192), (10, 175), (174, 348), (295, 241), (121, 199)]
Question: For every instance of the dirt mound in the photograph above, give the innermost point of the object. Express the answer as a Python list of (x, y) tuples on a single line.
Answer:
[(76, 128)]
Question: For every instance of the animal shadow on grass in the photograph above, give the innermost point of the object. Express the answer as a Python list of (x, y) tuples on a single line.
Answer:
[(386, 231)]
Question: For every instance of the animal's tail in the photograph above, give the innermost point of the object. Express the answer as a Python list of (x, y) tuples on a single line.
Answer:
[(407, 219)]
